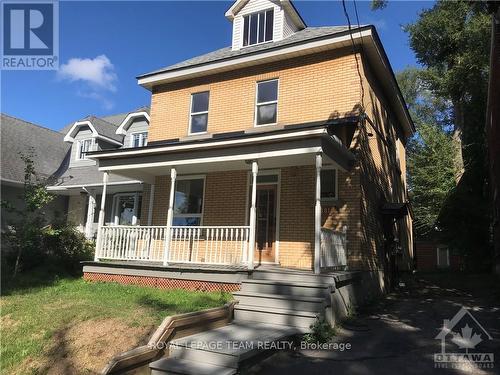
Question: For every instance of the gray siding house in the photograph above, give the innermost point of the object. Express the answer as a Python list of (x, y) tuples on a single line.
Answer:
[(61, 158)]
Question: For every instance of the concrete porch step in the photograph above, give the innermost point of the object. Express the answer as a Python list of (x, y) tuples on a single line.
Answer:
[(230, 345), (303, 289), (301, 320), (282, 301), (171, 366)]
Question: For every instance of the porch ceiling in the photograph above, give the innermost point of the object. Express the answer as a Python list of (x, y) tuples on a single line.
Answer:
[(276, 154)]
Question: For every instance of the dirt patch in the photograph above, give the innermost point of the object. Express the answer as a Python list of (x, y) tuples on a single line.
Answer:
[(6, 322), (86, 347)]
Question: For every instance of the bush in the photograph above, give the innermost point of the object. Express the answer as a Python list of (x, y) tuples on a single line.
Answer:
[(66, 247), (321, 332)]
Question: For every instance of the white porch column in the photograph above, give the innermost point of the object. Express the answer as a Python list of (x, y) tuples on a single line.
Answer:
[(90, 215), (170, 215), (105, 177), (317, 216), (253, 215), (151, 202)]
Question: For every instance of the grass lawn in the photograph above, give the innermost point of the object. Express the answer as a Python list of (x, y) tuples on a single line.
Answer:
[(68, 325)]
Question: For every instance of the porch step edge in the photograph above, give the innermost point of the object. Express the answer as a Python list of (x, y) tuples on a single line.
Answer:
[(276, 310), (287, 283), (185, 367), (280, 296)]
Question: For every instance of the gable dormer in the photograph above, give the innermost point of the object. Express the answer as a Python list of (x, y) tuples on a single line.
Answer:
[(262, 21)]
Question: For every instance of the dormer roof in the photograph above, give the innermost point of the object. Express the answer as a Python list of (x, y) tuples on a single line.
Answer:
[(287, 5), (127, 121), (100, 129)]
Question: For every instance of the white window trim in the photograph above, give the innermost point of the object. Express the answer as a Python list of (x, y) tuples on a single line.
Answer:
[(447, 265), (79, 145), (141, 138), (330, 168), (243, 27), (257, 104), (193, 177), (115, 220), (191, 114)]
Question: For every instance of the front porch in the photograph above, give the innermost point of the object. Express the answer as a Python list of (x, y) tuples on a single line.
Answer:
[(243, 205)]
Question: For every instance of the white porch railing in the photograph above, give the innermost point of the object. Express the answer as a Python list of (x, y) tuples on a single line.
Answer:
[(188, 244), (333, 248)]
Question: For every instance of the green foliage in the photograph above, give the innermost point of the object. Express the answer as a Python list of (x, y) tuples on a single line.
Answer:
[(321, 332), (451, 41), (66, 247), (30, 241), (431, 175), (378, 4)]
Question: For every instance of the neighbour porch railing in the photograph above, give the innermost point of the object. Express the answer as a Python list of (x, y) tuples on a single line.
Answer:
[(188, 244), (333, 248)]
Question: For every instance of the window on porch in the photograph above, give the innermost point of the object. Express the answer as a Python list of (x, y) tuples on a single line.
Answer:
[(126, 209), (329, 184), (188, 202)]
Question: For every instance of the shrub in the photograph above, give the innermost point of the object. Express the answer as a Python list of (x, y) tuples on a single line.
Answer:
[(67, 247)]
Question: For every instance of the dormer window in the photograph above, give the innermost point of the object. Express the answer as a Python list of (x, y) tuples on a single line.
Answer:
[(258, 27), (84, 146), (139, 139)]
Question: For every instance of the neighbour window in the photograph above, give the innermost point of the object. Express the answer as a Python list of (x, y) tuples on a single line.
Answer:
[(329, 184), (84, 146), (267, 102), (258, 27), (199, 112), (443, 257), (188, 203), (139, 139)]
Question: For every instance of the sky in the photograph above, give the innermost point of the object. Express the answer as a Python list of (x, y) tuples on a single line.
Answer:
[(104, 46)]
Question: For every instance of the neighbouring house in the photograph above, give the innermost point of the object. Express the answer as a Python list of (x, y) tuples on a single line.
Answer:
[(60, 158), (284, 150), (81, 181), (431, 255), (22, 137)]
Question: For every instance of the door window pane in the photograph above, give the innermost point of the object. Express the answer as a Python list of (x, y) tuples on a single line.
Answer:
[(328, 183)]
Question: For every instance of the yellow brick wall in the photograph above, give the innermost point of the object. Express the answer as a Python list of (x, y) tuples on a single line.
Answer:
[(311, 88)]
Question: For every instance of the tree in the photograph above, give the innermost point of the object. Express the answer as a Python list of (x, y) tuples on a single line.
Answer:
[(24, 235), (431, 172), (451, 41)]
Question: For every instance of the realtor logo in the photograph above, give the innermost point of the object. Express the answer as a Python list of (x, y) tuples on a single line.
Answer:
[(464, 333), (30, 35)]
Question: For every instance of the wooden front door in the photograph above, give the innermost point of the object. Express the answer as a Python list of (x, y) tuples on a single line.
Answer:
[(266, 223)]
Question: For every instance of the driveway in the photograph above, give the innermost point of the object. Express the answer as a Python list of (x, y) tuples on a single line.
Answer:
[(397, 335)]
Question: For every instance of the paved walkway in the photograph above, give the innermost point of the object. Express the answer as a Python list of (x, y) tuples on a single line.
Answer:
[(397, 336)]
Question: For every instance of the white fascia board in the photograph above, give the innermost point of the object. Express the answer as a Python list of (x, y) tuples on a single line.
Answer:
[(270, 137), (234, 63), (69, 138), (217, 159), (121, 129)]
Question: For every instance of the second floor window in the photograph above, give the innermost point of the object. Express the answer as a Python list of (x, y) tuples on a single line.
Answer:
[(199, 112), (258, 27), (139, 139), (84, 146), (266, 110)]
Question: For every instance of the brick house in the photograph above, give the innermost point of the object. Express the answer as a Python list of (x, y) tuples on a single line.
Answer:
[(285, 149)]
